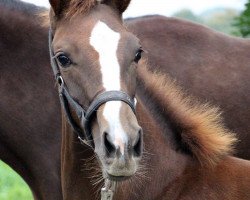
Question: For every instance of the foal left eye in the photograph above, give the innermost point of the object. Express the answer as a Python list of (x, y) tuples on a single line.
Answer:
[(138, 55), (64, 60)]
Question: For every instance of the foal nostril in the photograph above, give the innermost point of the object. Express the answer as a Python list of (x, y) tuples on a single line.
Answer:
[(138, 145), (109, 147)]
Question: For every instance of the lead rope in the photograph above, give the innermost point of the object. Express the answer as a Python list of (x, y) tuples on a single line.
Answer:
[(108, 190)]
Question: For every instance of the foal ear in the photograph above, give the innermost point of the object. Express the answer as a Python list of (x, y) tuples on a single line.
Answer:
[(120, 5), (58, 6)]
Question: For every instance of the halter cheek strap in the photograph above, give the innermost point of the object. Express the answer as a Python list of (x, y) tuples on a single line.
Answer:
[(85, 116)]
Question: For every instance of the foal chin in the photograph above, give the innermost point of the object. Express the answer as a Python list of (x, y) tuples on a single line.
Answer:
[(118, 140)]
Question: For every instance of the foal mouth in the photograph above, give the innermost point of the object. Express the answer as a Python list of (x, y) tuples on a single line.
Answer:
[(117, 178)]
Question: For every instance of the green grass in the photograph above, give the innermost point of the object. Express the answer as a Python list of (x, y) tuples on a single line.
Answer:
[(12, 186)]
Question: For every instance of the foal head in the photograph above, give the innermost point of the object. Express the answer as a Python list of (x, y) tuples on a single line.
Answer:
[(96, 53)]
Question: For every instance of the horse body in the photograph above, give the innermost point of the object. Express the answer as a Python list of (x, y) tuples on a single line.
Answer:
[(30, 123), (221, 183), (212, 66)]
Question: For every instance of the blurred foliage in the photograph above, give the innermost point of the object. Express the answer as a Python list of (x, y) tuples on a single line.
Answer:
[(12, 187), (188, 14), (243, 21), (219, 19)]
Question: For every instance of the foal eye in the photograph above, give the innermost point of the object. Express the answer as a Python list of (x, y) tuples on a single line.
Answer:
[(138, 55), (64, 60)]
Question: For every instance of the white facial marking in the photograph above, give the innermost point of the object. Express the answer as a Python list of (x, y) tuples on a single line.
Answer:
[(111, 113), (105, 41)]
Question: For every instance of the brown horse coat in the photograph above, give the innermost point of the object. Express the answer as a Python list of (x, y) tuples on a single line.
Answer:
[(29, 108)]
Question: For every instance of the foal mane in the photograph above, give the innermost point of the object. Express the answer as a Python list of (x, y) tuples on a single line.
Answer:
[(198, 128)]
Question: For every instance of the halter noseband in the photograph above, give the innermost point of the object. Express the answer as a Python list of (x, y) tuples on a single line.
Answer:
[(85, 116)]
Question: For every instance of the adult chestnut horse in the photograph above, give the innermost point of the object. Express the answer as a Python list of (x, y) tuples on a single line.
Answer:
[(96, 62), (26, 83)]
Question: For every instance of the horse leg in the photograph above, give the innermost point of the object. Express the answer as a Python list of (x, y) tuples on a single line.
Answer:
[(43, 180)]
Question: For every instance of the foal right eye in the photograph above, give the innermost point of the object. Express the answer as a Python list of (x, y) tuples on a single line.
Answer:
[(64, 60)]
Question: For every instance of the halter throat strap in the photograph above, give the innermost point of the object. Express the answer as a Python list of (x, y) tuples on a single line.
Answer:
[(85, 116)]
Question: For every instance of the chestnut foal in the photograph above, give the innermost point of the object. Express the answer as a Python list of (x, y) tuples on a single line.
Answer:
[(95, 61)]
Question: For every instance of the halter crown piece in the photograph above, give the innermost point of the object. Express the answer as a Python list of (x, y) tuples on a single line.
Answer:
[(85, 116)]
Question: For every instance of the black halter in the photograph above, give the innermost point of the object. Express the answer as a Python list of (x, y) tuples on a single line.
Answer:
[(85, 116)]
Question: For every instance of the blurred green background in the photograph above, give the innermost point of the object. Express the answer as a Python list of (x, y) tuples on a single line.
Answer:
[(12, 187)]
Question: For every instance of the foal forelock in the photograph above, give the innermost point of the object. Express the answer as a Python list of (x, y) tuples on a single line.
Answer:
[(106, 41)]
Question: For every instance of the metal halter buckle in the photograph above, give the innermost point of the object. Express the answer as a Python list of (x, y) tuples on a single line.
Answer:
[(107, 191)]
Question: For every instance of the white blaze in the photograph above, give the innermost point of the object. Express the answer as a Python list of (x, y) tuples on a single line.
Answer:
[(105, 41)]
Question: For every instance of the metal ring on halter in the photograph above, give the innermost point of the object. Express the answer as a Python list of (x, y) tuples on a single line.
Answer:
[(60, 80)]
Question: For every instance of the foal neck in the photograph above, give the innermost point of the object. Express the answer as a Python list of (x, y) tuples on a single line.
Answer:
[(164, 168)]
